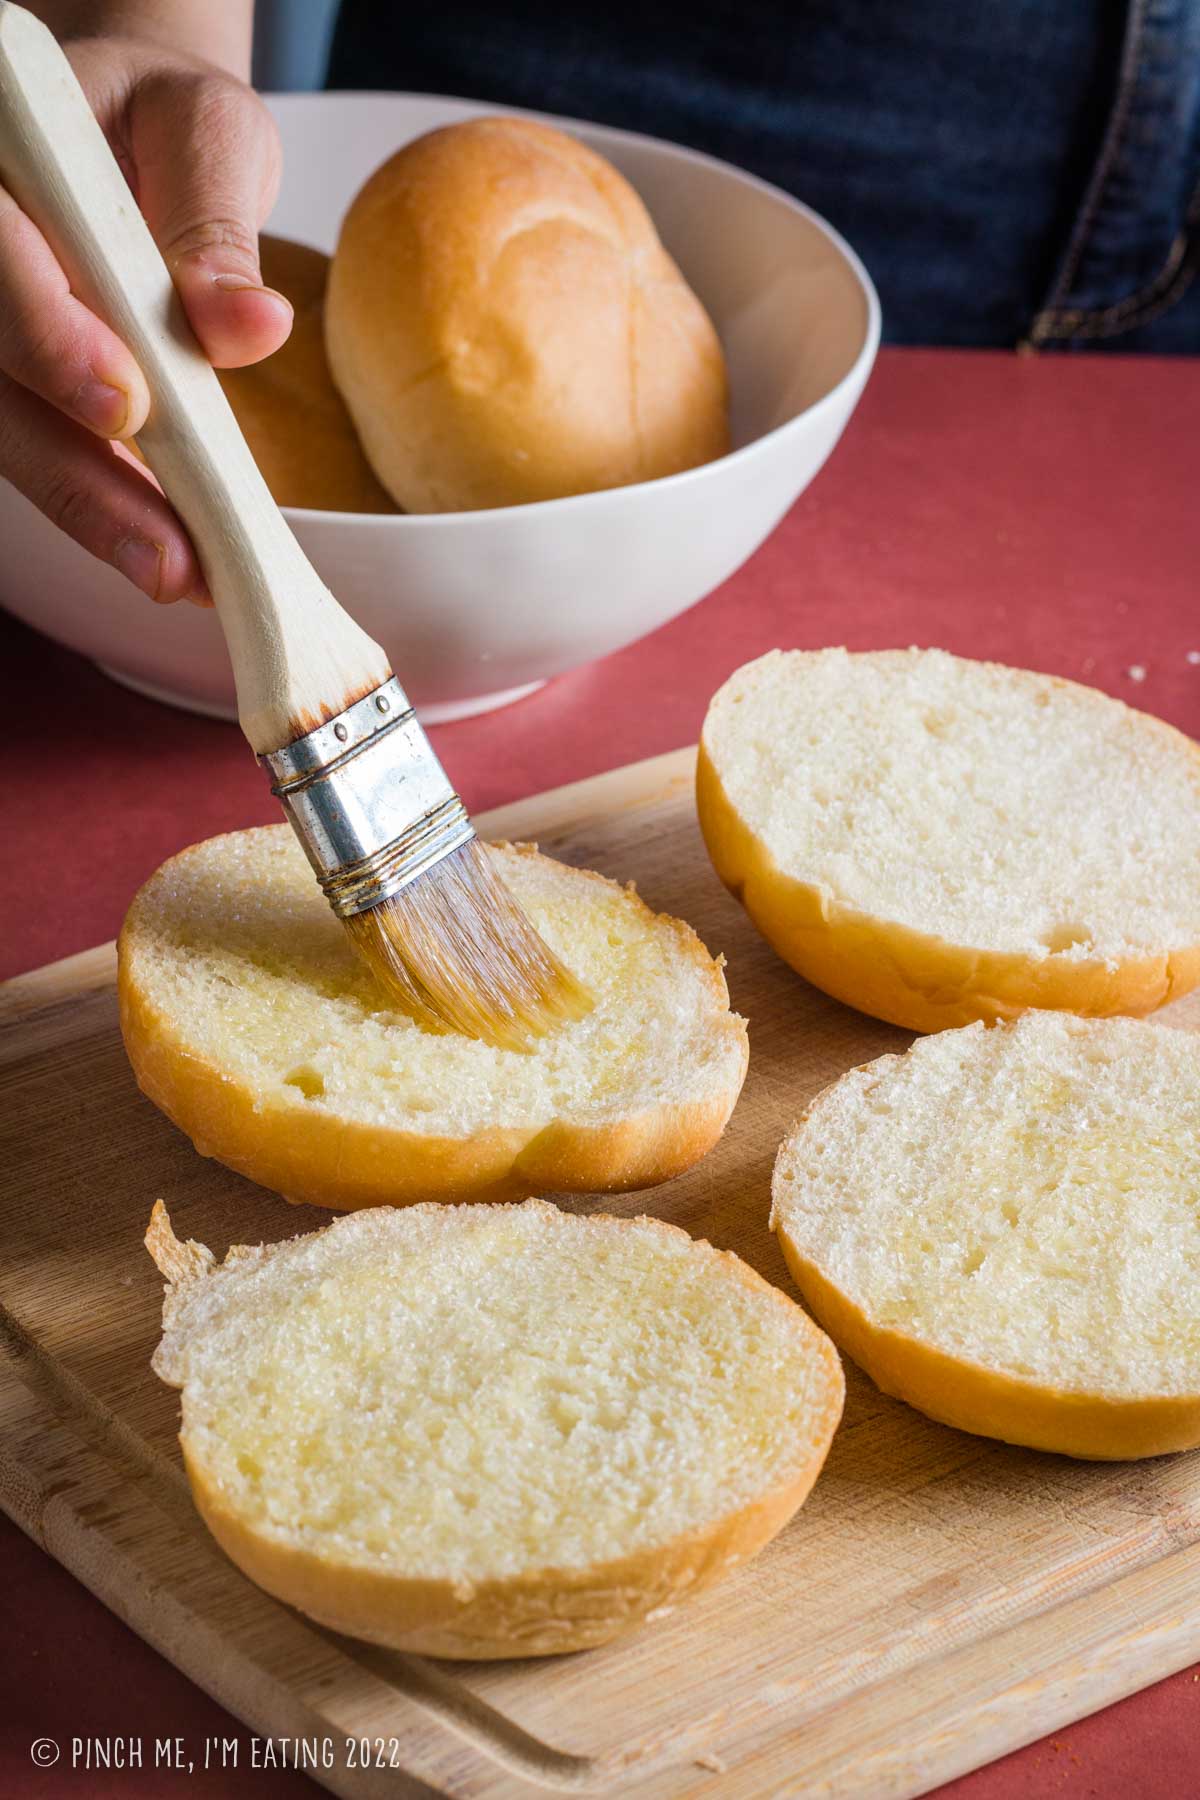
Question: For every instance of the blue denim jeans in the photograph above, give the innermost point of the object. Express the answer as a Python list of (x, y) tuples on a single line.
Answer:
[(1011, 171)]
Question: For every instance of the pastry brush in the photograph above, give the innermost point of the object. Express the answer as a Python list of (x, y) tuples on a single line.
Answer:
[(389, 839)]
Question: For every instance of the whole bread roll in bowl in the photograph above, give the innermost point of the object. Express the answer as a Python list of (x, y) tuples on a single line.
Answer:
[(505, 325), (291, 414)]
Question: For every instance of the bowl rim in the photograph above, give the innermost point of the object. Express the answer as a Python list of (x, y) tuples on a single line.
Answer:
[(855, 375)]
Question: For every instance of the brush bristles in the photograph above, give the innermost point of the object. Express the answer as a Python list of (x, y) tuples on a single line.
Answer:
[(455, 951)]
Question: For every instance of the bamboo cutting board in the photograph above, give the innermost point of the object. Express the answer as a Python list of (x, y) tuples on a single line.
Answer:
[(939, 1600)]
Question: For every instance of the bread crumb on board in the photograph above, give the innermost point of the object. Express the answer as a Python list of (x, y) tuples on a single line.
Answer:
[(1136, 671)]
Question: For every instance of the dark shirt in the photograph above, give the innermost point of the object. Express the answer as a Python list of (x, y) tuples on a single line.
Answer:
[(1024, 170)]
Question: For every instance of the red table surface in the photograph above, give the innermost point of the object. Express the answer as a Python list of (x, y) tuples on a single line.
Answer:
[(1039, 511)]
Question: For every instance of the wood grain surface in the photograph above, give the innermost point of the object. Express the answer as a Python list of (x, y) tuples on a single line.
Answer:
[(939, 1600)]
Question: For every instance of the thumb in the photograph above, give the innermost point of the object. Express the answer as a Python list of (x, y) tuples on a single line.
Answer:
[(207, 161)]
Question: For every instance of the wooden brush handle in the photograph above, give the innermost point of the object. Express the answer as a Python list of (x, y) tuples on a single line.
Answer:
[(297, 657)]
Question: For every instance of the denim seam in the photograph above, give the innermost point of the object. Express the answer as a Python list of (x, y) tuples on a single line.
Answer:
[(1067, 325), (1156, 297), (1110, 149)]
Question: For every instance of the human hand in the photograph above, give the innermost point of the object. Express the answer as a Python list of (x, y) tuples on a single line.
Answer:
[(202, 157)]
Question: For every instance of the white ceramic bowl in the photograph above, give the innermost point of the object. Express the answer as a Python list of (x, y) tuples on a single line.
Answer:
[(476, 608)]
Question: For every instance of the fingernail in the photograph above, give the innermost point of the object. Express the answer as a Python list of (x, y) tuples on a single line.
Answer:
[(240, 284), (104, 407), (142, 563)]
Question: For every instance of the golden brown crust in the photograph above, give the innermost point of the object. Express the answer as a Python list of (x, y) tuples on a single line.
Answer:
[(908, 977), (506, 327), (969, 1395), (316, 1156), (540, 1612), (985, 1401), (544, 1613), (291, 414)]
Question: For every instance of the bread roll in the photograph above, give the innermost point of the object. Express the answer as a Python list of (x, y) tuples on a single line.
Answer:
[(934, 841), (490, 1431), (1002, 1227), (251, 1022), (291, 415), (505, 325)]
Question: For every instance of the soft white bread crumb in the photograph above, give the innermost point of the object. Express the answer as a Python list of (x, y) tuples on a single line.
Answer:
[(491, 1430), (252, 1023), (1003, 1228), (935, 840)]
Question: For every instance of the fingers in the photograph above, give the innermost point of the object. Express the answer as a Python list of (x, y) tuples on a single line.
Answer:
[(53, 345), (97, 494), (202, 155), (208, 162)]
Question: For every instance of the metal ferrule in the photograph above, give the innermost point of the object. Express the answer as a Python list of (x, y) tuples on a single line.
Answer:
[(369, 800)]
